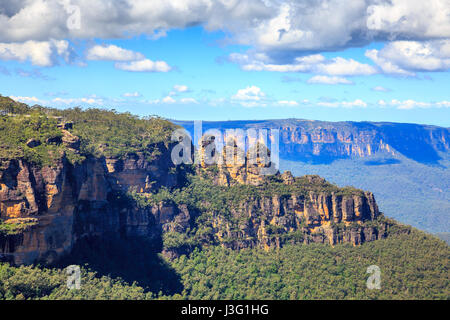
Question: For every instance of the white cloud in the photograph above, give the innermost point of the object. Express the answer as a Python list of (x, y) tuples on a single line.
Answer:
[(270, 26), (414, 19), (168, 100), (127, 60), (315, 63), (413, 104), (132, 95), (410, 104), (93, 100), (145, 65), (180, 88), (28, 100), (345, 67), (188, 100), (23, 19), (385, 65), (278, 30), (260, 62), (380, 89), (251, 96), (443, 104), (40, 53), (290, 103), (406, 57), (298, 26), (112, 53), (250, 93), (329, 80), (345, 104)]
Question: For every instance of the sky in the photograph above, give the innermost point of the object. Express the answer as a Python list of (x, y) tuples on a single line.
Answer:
[(335, 60)]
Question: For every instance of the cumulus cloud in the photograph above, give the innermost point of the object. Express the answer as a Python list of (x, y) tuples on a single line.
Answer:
[(145, 65), (345, 104), (299, 25), (278, 27), (315, 63), (180, 88), (380, 89), (40, 53), (406, 57), (345, 67), (28, 100), (132, 95), (410, 104), (249, 93), (125, 59), (171, 100), (22, 19), (289, 103), (410, 19), (112, 53), (413, 104), (329, 80), (385, 65), (168, 100), (91, 100), (250, 96), (443, 104), (188, 100), (283, 32)]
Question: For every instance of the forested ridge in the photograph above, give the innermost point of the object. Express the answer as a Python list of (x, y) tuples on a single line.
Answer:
[(101, 132), (413, 266)]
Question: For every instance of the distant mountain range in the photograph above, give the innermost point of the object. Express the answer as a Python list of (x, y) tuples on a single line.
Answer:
[(405, 165)]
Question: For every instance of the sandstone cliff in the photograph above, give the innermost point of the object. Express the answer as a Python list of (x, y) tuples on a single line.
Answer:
[(67, 202), (271, 220)]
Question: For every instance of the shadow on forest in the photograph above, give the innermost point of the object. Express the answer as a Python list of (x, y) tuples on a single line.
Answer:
[(132, 259)]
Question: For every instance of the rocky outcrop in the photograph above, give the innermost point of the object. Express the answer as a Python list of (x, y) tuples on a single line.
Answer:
[(70, 202), (317, 217), (234, 165)]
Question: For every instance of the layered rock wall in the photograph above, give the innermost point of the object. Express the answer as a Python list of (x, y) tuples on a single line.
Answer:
[(69, 202)]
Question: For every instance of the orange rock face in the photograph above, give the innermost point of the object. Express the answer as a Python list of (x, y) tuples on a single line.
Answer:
[(70, 202)]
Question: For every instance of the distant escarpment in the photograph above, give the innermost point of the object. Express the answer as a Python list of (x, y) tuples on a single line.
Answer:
[(322, 142)]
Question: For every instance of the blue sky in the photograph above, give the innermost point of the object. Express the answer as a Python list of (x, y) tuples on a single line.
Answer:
[(369, 61)]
